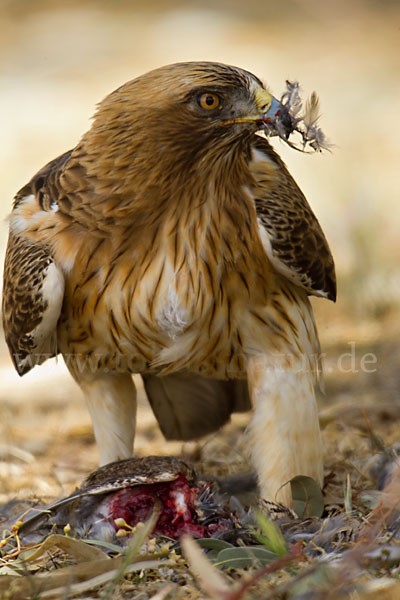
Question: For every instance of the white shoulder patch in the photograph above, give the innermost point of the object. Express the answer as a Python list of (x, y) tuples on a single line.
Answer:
[(53, 294), (274, 260), (18, 220), (44, 336), (29, 199)]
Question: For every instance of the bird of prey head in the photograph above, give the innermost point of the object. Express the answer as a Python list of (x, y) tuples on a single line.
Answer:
[(177, 113)]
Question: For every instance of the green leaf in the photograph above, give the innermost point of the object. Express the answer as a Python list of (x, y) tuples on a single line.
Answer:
[(308, 500), (240, 558), (271, 536), (213, 544)]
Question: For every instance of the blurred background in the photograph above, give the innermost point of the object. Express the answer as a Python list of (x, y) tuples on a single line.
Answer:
[(59, 58)]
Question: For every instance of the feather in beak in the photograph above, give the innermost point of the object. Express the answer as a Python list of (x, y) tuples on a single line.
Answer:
[(287, 116)]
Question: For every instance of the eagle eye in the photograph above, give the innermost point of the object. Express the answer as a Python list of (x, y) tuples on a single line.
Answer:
[(209, 101)]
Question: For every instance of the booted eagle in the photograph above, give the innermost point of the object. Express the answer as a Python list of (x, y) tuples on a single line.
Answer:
[(173, 242)]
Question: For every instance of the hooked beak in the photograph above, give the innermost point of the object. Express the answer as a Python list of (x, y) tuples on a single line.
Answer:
[(273, 112), (271, 115)]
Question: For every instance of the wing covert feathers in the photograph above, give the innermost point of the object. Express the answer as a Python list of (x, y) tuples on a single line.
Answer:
[(32, 299), (33, 288), (294, 240)]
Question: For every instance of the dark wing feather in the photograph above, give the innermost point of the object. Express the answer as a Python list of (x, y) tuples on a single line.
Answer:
[(298, 247), (136, 471), (188, 406), (32, 299), (45, 184), (33, 286)]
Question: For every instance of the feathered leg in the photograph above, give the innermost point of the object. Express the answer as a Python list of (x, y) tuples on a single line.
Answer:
[(284, 431), (111, 400)]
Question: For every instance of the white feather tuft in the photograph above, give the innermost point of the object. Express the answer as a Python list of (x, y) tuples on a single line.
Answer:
[(172, 318)]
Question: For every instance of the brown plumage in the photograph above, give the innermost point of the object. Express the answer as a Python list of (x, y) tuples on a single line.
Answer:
[(173, 242)]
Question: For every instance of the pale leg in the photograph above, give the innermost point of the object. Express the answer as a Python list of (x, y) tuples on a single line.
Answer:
[(111, 400), (284, 431)]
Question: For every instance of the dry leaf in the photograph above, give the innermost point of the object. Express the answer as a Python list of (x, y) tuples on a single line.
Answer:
[(80, 551), (78, 578), (308, 500)]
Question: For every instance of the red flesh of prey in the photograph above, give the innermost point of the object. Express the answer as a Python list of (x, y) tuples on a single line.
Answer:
[(177, 510)]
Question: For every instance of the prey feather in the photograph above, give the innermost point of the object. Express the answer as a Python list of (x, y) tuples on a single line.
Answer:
[(300, 118)]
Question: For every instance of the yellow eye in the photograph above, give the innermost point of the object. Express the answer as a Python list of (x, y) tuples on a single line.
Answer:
[(209, 101)]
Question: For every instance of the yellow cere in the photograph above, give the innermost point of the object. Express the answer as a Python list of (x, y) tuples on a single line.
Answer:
[(263, 99)]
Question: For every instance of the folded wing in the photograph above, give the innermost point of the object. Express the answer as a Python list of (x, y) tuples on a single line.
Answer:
[(290, 232), (32, 299)]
